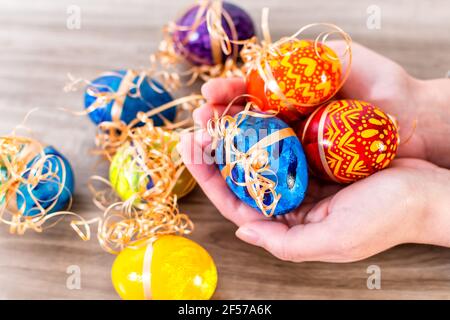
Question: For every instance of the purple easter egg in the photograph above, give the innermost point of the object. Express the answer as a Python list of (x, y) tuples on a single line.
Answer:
[(196, 45)]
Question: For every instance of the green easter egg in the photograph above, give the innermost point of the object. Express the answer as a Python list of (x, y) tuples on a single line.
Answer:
[(124, 174), (127, 178)]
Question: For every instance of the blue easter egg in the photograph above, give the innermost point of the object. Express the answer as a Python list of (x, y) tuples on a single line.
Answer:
[(151, 95), (286, 160), (47, 191)]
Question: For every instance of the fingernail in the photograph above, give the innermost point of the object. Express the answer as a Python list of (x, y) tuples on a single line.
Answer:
[(248, 235)]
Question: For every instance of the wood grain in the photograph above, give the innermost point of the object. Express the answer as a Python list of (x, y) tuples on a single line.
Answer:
[(36, 53)]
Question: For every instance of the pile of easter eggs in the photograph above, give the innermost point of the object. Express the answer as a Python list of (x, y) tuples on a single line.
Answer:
[(169, 266), (265, 157), (339, 141), (265, 160)]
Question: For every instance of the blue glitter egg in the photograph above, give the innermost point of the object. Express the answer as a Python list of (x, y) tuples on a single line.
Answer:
[(286, 160), (47, 192), (150, 95)]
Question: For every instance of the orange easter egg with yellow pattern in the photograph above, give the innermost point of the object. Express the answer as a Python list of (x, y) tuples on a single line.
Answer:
[(347, 140), (303, 75)]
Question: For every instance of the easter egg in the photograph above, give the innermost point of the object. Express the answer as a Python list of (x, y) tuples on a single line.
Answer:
[(126, 101), (54, 186), (128, 178), (348, 140), (301, 77), (272, 145), (194, 42), (172, 268)]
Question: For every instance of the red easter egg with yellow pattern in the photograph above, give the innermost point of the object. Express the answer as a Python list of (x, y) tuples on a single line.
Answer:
[(347, 140), (302, 76)]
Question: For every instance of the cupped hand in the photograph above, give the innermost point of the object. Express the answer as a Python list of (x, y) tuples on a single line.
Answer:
[(334, 223), (420, 107)]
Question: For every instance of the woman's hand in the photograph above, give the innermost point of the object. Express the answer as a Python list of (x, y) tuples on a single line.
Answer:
[(422, 108), (404, 203)]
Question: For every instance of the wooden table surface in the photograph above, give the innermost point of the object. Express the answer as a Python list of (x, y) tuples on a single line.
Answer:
[(37, 51)]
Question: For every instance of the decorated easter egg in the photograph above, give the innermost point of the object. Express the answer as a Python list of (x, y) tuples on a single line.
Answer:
[(170, 268), (54, 185), (121, 95), (263, 152), (296, 80), (128, 178), (348, 140), (194, 41)]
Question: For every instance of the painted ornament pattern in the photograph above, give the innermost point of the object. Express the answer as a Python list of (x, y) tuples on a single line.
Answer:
[(355, 139), (306, 75)]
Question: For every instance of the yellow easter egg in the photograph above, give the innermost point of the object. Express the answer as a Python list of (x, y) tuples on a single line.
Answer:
[(172, 268), (127, 178)]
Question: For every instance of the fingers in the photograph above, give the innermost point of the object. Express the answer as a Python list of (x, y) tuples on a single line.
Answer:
[(219, 93), (269, 235), (365, 82), (202, 114), (387, 86), (319, 212), (362, 75), (222, 91), (296, 217), (302, 242), (319, 189), (340, 47), (308, 242), (193, 148), (412, 163)]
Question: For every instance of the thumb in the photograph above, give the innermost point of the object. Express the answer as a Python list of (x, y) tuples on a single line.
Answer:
[(304, 242)]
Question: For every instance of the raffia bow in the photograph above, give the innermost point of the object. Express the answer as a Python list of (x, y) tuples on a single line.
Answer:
[(171, 55), (113, 134), (15, 154), (149, 212), (123, 225), (255, 162)]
